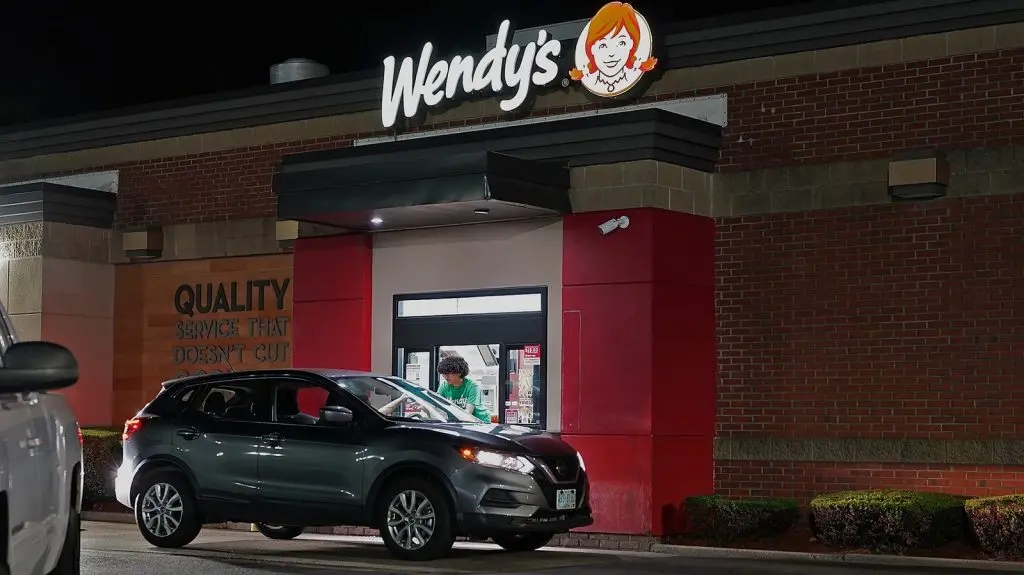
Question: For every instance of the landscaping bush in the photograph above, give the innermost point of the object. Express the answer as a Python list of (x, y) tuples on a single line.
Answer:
[(102, 454), (721, 519), (886, 520), (997, 524)]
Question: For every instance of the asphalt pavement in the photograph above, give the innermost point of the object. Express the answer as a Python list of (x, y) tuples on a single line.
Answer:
[(110, 548)]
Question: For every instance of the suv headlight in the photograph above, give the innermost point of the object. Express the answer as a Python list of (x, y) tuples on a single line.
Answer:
[(497, 460), (583, 466)]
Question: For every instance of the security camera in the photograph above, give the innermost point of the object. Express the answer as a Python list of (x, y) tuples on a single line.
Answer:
[(614, 224)]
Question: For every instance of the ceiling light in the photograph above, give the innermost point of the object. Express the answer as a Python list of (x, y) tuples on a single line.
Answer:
[(376, 221), (482, 211)]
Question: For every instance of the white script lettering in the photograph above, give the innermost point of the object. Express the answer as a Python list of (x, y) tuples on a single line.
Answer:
[(515, 67)]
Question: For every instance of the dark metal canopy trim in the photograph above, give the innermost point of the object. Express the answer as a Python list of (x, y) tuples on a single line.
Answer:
[(44, 201), (814, 26), (600, 139), (423, 188)]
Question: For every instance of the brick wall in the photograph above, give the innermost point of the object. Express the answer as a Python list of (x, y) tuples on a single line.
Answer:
[(957, 102), (889, 322), (236, 184), (964, 101)]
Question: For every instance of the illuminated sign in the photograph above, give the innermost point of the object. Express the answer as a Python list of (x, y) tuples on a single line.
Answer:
[(502, 67), (612, 54), (613, 51)]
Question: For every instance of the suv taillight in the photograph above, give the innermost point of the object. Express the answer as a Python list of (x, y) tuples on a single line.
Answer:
[(131, 426), (81, 437)]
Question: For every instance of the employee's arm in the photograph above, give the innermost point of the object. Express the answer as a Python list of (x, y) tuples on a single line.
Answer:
[(472, 399)]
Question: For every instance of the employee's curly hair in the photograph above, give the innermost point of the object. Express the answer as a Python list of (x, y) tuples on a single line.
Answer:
[(453, 365)]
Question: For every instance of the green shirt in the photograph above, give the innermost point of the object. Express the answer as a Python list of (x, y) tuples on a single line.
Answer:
[(466, 394)]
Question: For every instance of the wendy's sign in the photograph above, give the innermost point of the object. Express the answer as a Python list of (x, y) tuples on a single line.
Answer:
[(611, 55)]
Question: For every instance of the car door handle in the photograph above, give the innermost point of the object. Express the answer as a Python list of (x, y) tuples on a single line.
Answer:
[(272, 439), (188, 433)]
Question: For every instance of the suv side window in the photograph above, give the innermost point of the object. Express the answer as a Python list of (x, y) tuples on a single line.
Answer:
[(299, 402), (238, 401)]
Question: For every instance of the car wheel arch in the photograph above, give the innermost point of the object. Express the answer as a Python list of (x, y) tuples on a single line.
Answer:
[(158, 463), (420, 468)]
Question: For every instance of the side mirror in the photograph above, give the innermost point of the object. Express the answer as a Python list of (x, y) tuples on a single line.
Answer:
[(37, 366), (336, 415)]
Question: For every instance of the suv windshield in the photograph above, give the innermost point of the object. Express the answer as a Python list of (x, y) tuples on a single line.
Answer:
[(397, 398)]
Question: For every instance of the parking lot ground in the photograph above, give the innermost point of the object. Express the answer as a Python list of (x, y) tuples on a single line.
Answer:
[(320, 551)]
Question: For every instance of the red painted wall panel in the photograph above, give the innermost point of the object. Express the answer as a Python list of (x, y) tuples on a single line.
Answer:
[(619, 467), (332, 312), (683, 397), (612, 349), (638, 356)]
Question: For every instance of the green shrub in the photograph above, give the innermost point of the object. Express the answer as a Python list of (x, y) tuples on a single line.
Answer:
[(721, 519), (887, 520), (102, 454), (997, 525)]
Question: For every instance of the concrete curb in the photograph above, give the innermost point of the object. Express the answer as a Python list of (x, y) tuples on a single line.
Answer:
[(835, 558), (107, 517)]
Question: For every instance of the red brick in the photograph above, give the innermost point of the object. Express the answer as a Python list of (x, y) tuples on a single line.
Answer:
[(896, 321)]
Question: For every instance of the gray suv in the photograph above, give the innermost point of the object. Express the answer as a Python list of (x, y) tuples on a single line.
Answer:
[(380, 452)]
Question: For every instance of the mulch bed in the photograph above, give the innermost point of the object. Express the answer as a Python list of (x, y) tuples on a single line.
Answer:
[(801, 540)]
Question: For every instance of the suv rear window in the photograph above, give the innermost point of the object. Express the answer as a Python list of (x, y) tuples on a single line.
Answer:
[(171, 401)]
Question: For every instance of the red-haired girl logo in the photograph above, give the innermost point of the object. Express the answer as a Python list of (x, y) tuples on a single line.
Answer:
[(613, 51)]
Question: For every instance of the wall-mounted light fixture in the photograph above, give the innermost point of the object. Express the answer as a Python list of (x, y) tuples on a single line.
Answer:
[(143, 245), (287, 232), (918, 176)]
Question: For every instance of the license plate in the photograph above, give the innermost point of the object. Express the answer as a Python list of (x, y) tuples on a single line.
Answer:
[(565, 499)]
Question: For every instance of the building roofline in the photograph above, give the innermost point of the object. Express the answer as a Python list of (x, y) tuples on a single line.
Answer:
[(741, 36)]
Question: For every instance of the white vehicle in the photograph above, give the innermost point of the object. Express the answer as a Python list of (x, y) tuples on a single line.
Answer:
[(40, 458)]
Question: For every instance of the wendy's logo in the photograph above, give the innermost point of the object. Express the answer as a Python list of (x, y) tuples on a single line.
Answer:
[(613, 51)]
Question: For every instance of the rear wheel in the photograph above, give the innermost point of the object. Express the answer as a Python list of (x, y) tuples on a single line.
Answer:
[(415, 519), (166, 510), (71, 553), (279, 531), (523, 541)]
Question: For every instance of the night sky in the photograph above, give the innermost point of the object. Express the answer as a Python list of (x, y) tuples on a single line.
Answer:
[(68, 57)]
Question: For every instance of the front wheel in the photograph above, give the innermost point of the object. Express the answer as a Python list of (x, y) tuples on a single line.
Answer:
[(415, 519), (523, 541), (70, 559), (279, 531), (166, 510)]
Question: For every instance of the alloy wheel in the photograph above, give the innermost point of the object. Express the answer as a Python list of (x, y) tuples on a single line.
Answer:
[(162, 509), (411, 520)]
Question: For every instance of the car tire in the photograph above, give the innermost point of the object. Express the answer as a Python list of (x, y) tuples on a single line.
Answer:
[(522, 541), (170, 491), (70, 561), (403, 504), (279, 531)]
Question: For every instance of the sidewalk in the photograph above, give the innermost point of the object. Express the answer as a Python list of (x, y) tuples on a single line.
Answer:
[(837, 558)]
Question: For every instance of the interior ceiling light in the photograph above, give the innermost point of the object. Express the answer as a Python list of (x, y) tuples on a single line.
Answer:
[(376, 221), (482, 211)]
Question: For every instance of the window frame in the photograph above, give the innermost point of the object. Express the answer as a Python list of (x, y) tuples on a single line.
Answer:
[(359, 418), (196, 402)]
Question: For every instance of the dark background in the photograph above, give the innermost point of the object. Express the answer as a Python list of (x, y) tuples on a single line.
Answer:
[(68, 57)]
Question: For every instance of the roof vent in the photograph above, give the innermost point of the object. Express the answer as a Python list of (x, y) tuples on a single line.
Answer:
[(297, 69)]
